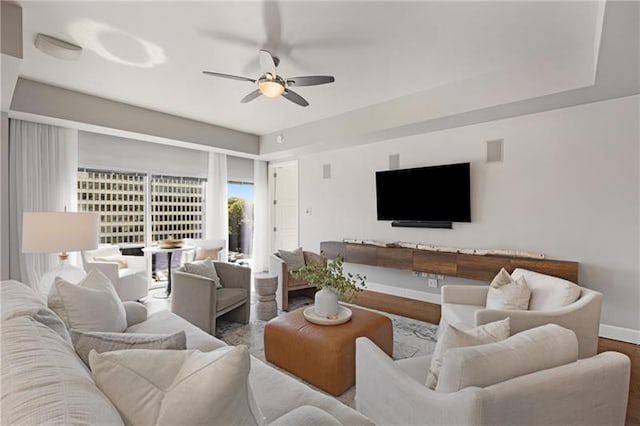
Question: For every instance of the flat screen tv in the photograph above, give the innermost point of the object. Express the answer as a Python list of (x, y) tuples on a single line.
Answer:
[(429, 194)]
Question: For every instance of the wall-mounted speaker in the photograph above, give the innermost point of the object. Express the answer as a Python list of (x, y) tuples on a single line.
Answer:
[(394, 161), (326, 171), (422, 224), (495, 151)]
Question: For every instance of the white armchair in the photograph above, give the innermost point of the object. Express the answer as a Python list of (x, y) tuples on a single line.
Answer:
[(465, 304), (590, 391), (130, 282)]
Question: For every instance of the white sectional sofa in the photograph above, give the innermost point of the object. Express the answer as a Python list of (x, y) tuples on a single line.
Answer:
[(45, 382), (532, 378)]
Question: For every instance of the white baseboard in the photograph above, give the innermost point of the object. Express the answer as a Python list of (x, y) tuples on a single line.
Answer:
[(622, 334), (628, 335)]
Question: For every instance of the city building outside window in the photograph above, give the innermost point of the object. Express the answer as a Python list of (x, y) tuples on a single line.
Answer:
[(177, 207), (119, 198)]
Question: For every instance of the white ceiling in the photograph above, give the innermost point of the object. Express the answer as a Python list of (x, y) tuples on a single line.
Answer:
[(376, 50)]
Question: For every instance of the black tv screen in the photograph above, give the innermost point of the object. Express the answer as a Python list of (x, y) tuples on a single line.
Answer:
[(437, 193)]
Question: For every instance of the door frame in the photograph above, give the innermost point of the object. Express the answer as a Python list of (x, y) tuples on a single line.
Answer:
[(271, 169)]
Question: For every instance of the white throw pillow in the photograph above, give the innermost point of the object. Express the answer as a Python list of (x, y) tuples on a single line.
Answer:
[(178, 387), (453, 337), (101, 342), (547, 292), (90, 305), (294, 259), (105, 250), (204, 253), (114, 258), (204, 268), (523, 353), (506, 293)]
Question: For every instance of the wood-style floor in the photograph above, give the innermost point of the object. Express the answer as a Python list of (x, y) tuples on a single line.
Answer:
[(633, 352), (430, 312)]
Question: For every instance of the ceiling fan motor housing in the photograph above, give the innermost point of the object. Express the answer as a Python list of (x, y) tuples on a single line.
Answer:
[(271, 86)]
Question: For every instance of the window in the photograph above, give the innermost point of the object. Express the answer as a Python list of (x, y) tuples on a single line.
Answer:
[(240, 201), (170, 201), (177, 205), (94, 194)]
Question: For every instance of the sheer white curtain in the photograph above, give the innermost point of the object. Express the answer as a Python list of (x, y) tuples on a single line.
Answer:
[(217, 210), (261, 217), (43, 165)]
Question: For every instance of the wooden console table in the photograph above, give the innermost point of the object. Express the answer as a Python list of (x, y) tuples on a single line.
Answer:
[(471, 266)]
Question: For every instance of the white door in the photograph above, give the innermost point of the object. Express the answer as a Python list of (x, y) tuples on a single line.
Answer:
[(284, 193)]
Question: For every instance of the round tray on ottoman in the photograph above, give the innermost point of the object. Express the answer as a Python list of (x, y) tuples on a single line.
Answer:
[(344, 315)]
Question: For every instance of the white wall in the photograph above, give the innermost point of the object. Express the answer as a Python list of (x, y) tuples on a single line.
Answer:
[(40, 102), (568, 187)]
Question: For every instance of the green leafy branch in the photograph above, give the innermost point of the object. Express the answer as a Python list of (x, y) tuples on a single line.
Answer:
[(332, 276)]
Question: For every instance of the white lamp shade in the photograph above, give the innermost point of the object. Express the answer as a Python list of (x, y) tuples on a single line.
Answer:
[(55, 232)]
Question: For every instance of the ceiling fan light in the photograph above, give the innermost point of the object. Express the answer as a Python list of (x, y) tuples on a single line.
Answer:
[(270, 88)]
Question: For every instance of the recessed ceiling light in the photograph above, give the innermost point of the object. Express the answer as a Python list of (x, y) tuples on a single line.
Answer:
[(57, 48)]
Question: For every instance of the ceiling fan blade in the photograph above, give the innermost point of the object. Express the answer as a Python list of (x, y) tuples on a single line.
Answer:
[(231, 38), (311, 80), (251, 96), (252, 67), (272, 19), (232, 77), (266, 62), (295, 98)]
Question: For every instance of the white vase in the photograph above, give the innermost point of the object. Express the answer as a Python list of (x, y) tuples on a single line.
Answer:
[(326, 302)]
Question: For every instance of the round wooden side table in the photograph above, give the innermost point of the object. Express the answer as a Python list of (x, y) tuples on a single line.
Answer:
[(266, 286)]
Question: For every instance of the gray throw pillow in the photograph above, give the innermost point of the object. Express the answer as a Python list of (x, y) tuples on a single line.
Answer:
[(204, 268), (294, 259), (84, 342)]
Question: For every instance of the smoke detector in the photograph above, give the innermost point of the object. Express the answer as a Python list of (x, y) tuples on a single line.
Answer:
[(57, 48)]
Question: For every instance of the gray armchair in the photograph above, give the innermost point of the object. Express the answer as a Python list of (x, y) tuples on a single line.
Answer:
[(287, 284), (196, 299)]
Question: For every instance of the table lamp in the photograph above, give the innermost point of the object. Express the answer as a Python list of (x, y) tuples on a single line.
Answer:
[(59, 232)]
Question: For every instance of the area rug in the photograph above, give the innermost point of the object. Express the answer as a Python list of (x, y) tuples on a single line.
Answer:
[(410, 338)]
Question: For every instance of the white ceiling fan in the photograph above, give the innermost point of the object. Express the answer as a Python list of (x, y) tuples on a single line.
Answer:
[(271, 85)]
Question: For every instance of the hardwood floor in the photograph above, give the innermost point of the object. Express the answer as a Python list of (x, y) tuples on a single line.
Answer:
[(633, 352), (430, 312), (423, 311)]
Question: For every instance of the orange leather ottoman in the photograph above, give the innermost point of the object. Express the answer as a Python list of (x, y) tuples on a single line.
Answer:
[(324, 356)]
